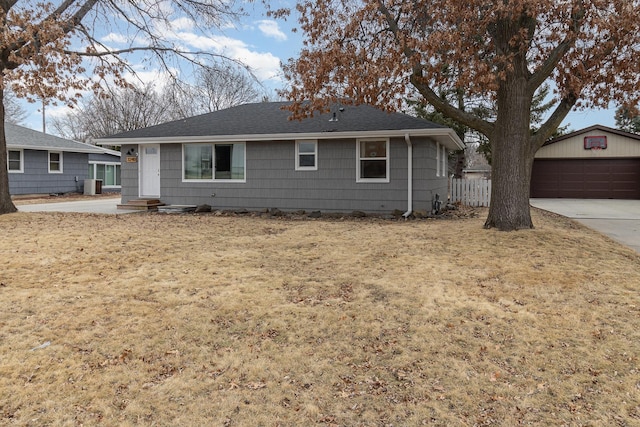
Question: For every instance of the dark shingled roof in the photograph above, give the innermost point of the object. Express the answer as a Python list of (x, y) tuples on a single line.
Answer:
[(20, 137), (269, 118)]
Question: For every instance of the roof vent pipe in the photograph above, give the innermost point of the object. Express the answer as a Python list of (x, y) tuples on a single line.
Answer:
[(409, 176)]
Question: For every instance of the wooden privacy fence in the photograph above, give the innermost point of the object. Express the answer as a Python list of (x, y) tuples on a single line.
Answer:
[(470, 192)]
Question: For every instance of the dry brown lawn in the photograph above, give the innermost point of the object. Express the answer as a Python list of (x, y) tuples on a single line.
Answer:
[(195, 320)]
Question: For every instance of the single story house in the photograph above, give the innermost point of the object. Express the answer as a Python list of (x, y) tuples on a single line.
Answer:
[(40, 163), (254, 157), (481, 171), (597, 162), (105, 166)]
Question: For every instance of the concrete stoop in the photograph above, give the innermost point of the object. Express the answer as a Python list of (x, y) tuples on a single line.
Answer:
[(142, 204)]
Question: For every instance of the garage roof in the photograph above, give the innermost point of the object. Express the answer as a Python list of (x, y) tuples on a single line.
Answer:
[(591, 129)]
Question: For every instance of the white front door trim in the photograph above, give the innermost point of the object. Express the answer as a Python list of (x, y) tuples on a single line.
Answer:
[(149, 170)]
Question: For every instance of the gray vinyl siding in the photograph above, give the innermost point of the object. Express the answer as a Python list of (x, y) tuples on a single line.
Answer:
[(36, 179), (129, 174), (273, 182)]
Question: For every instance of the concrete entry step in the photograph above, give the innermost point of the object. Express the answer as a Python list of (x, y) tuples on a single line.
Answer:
[(142, 204)]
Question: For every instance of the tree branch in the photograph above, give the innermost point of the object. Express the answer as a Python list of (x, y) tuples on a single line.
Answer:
[(447, 109), (552, 123), (417, 80), (547, 67), (61, 9)]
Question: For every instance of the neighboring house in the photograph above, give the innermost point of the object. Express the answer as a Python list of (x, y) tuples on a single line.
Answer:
[(39, 163), (253, 157), (593, 163), (106, 166), (477, 172)]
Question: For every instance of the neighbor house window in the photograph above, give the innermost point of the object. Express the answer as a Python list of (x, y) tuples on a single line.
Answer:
[(220, 162), (373, 160), (14, 161), (55, 162), (306, 155), (109, 173)]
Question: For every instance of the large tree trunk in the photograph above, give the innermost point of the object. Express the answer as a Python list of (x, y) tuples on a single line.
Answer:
[(6, 205), (512, 158)]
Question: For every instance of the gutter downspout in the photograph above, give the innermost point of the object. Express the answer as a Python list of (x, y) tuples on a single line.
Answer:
[(409, 176)]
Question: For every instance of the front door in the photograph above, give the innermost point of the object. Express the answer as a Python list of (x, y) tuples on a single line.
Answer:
[(150, 170)]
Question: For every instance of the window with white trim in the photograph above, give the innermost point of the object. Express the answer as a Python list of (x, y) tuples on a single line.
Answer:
[(15, 161), (108, 172), (55, 162), (307, 155), (197, 162), (213, 162), (373, 160)]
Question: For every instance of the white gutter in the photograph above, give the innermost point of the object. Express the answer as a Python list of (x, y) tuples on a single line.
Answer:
[(409, 176), (444, 136)]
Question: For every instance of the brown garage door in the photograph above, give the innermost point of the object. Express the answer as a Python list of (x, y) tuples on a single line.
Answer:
[(586, 178)]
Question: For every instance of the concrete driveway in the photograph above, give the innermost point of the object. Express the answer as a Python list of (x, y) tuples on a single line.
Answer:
[(618, 219), (101, 206)]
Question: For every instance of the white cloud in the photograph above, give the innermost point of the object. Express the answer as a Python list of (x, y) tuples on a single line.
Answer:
[(114, 38), (264, 65), (271, 28), (182, 24), (157, 78)]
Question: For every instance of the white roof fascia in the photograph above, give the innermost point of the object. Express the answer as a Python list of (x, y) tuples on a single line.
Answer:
[(56, 149), (108, 151), (445, 136)]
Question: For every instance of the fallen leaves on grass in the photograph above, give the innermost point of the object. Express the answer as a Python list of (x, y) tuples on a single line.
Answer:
[(222, 320)]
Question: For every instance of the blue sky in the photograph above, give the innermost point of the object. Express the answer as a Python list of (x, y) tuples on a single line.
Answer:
[(262, 43)]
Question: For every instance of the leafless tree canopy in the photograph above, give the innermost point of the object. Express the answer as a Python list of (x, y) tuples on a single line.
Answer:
[(224, 86), (14, 112), (55, 50), (125, 109), (139, 106)]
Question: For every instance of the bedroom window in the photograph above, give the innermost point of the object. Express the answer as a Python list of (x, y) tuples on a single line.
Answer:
[(373, 160), (14, 161), (55, 162), (213, 162), (306, 155)]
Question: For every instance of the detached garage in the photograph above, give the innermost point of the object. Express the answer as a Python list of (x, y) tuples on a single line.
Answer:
[(593, 163)]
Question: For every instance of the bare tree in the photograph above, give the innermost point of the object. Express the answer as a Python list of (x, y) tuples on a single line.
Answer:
[(14, 112), (226, 85), (124, 109), (138, 106), (53, 50)]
